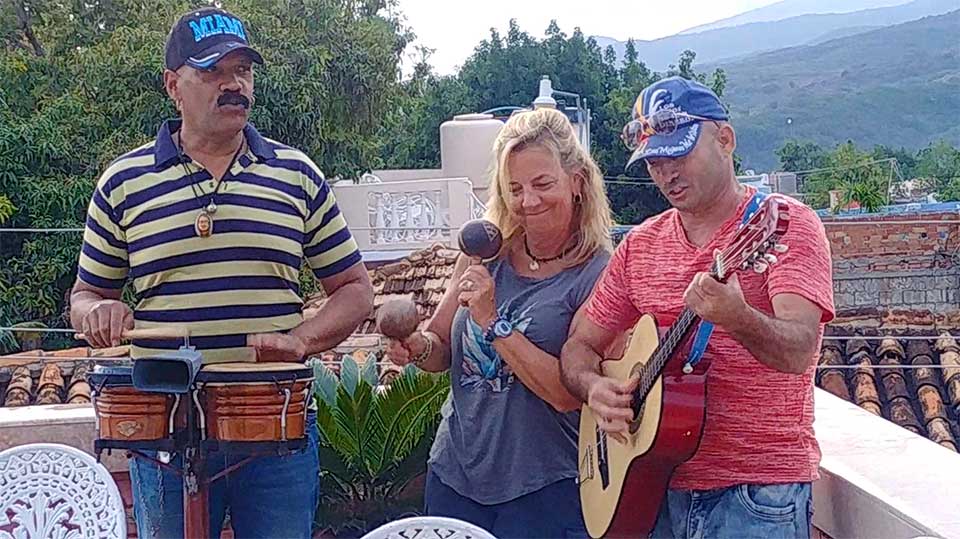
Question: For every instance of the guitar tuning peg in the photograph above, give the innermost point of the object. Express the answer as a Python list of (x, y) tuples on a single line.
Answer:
[(760, 266), (771, 259), (780, 248)]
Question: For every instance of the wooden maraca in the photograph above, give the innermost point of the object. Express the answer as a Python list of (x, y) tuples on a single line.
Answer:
[(480, 239), (398, 318)]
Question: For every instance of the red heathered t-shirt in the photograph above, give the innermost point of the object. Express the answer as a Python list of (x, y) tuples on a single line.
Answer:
[(759, 426)]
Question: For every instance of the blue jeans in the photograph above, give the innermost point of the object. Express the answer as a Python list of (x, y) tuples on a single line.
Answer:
[(553, 511), (267, 497), (742, 511)]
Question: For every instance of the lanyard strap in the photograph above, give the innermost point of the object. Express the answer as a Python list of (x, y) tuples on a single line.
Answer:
[(705, 329)]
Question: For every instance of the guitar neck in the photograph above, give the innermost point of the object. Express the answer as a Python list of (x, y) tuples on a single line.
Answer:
[(758, 234), (674, 337)]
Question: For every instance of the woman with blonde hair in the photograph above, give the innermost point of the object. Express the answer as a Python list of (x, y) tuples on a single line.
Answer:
[(505, 454)]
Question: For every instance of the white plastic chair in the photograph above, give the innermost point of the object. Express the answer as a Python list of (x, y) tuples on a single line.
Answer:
[(59, 492), (429, 528)]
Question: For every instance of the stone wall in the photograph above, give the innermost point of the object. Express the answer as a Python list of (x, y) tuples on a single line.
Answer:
[(898, 261)]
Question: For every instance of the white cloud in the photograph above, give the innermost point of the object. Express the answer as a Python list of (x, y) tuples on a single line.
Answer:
[(455, 27)]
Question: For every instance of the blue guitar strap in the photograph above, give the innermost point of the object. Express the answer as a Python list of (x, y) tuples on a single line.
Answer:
[(705, 329)]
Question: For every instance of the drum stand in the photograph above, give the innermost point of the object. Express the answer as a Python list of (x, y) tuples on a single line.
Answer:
[(193, 448), (190, 443), (196, 485)]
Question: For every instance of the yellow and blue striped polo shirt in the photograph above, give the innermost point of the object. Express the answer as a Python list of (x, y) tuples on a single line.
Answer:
[(274, 209)]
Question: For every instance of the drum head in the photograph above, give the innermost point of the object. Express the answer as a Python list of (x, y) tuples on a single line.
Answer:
[(254, 372)]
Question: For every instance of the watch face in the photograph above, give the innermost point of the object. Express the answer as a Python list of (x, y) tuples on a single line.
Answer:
[(502, 328)]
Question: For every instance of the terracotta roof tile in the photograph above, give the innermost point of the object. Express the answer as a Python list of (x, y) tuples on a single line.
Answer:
[(20, 389), (50, 385), (950, 358), (79, 390), (917, 399), (54, 377), (423, 276)]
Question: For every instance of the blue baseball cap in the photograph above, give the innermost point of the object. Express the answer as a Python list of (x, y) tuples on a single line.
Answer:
[(202, 37), (690, 102)]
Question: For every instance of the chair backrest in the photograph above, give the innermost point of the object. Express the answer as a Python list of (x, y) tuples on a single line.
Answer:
[(53, 490), (429, 528)]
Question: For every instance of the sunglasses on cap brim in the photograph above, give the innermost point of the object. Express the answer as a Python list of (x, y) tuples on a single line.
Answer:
[(663, 123)]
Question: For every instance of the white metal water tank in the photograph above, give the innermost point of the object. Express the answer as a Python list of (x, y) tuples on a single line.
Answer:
[(466, 149)]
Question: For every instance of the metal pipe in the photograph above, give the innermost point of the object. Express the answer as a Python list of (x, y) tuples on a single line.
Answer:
[(39, 230), (886, 367), (863, 222)]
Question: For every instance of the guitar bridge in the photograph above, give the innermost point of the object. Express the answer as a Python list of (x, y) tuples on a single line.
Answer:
[(602, 464), (586, 466)]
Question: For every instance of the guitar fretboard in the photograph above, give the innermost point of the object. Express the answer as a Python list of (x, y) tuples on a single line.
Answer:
[(668, 346)]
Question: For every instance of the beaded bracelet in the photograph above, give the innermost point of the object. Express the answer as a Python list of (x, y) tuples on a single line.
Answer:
[(423, 356)]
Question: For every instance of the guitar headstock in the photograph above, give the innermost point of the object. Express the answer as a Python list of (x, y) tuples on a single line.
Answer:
[(755, 244)]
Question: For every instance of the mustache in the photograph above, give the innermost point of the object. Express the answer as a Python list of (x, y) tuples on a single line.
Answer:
[(234, 98)]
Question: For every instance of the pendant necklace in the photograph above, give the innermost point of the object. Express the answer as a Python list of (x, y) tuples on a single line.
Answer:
[(535, 262), (203, 225)]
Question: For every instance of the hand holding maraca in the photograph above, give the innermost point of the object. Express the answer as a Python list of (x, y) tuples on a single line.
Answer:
[(477, 293), (397, 320), (479, 240)]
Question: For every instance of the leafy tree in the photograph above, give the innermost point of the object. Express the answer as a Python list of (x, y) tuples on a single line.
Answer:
[(906, 160), (939, 162), (796, 156), (868, 195), (951, 191), (410, 131), (506, 70), (81, 83), (6, 208), (855, 174)]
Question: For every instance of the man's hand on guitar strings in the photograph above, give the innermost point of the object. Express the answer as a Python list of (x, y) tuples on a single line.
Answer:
[(610, 399), (722, 304)]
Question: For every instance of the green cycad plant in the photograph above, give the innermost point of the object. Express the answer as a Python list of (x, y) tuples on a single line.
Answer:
[(374, 441)]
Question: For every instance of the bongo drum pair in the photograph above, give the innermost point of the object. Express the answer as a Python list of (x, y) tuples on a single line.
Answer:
[(235, 403)]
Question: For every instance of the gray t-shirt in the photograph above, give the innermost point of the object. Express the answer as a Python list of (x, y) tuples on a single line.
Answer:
[(498, 440)]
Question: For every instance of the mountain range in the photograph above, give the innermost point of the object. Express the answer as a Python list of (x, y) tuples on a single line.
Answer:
[(896, 86), (885, 75), (792, 8), (729, 42)]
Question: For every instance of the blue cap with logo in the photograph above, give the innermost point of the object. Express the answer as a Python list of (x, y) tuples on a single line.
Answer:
[(679, 104), (202, 37)]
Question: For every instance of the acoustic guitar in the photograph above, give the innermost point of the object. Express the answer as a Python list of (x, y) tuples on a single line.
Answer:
[(622, 485)]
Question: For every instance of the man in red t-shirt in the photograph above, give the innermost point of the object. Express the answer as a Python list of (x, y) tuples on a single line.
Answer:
[(758, 455)]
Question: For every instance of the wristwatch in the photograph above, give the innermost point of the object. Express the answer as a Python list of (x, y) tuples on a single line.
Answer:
[(500, 328)]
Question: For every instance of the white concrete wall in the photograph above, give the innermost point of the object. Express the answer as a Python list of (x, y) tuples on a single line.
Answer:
[(879, 480), (405, 215)]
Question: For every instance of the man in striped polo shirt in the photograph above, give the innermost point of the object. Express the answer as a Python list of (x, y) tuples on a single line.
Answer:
[(751, 475), (211, 222)]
